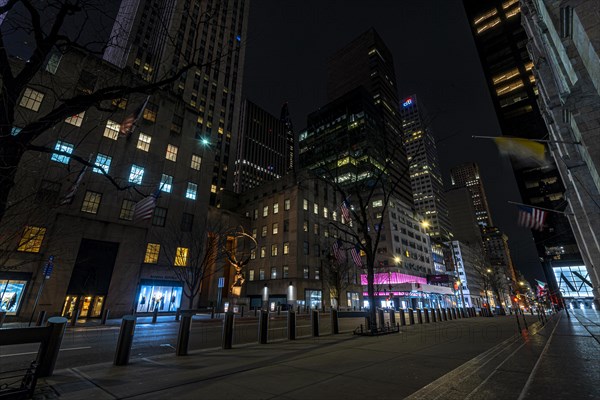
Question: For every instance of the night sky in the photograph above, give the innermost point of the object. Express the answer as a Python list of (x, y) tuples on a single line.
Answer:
[(288, 46)]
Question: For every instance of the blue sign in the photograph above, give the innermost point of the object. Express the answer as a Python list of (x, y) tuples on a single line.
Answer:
[(408, 102), (48, 267)]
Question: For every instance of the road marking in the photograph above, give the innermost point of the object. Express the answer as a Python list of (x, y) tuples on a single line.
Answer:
[(35, 352)]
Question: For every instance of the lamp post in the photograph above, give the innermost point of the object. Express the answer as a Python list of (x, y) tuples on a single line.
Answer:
[(426, 225)]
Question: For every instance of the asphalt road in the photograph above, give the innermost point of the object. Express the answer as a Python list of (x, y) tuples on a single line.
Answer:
[(84, 345)]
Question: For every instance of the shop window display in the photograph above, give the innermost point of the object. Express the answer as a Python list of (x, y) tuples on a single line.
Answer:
[(163, 298), (11, 294)]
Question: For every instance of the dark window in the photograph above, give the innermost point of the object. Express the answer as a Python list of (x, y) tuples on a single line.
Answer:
[(159, 217), (187, 220), (48, 192), (87, 82)]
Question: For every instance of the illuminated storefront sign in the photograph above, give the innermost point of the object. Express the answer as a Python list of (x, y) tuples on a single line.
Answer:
[(393, 278), (573, 281), (407, 102)]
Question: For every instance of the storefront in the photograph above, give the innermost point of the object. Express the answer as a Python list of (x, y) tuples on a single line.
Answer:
[(89, 306), (164, 296), (12, 291)]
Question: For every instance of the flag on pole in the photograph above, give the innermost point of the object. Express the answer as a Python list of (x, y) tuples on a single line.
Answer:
[(531, 217), (522, 149), (130, 121), (145, 208), (344, 208), (338, 252), (70, 195), (355, 253)]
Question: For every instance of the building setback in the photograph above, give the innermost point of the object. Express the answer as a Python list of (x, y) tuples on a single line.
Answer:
[(262, 148)]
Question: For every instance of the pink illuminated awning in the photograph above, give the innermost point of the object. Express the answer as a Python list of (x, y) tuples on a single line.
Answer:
[(392, 278)]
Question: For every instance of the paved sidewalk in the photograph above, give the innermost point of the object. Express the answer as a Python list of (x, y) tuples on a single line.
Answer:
[(340, 366)]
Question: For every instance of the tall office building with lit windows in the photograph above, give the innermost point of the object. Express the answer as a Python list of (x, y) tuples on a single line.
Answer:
[(425, 175), (467, 175), (366, 61), (510, 74), (156, 38), (262, 149)]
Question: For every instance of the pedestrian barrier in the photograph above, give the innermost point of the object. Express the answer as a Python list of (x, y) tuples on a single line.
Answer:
[(402, 318), (315, 323), (411, 316), (453, 311), (445, 314), (419, 316), (183, 336), (392, 317), (2, 317), (227, 330), (154, 315), (433, 316), (335, 327), (291, 325), (105, 314), (381, 318), (426, 311), (263, 327), (439, 314)]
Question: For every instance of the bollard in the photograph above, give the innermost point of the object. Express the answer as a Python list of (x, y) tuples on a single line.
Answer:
[(453, 311), (335, 327), (125, 340), (2, 317), (445, 314), (315, 323), (518, 323), (278, 311), (419, 316), (212, 313), (177, 314), (41, 318), (242, 312), (426, 311), (402, 318), (154, 315), (291, 325), (263, 327), (49, 349), (381, 318), (393, 317), (433, 318), (227, 330), (183, 337), (75, 316), (458, 315), (524, 320), (105, 314), (462, 313), (449, 312), (411, 316)]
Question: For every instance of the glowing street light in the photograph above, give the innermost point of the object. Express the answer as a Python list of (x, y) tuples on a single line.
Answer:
[(205, 141)]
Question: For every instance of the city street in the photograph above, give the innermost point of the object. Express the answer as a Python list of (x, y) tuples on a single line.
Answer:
[(469, 358)]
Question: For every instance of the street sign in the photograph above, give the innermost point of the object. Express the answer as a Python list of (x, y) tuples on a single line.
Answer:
[(221, 282), (49, 267)]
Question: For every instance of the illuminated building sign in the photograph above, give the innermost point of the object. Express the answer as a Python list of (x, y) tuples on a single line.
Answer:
[(408, 102), (393, 278)]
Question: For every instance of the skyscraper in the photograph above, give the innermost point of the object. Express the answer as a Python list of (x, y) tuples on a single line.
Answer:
[(510, 74), (367, 62), (158, 38), (425, 176), (467, 175), (262, 149), (290, 141)]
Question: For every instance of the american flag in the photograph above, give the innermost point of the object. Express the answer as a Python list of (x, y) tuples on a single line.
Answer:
[(355, 252), (145, 208), (128, 124), (345, 210), (338, 252), (532, 218), (70, 195)]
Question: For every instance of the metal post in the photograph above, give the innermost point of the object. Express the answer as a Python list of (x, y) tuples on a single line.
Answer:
[(402, 318), (278, 311), (183, 338), (41, 318), (263, 327), (49, 349), (228, 330), (177, 314), (518, 323), (426, 311), (335, 327), (381, 318), (433, 318), (393, 317), (2, 317), (411, 316), (524, 320), (125, 340), (105, 314), (453, 311), (255, 311), (315, 323), (75, 315), (37, 299), (291, 325), (439, 314), (445, 314), (242, 312), (154, 315), (419, 316)]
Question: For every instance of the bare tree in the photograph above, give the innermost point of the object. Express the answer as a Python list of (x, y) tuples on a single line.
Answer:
[(193, 254), (338, 275), (60, 25)]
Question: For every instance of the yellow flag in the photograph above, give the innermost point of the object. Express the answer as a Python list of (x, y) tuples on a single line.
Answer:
[(522, 149)]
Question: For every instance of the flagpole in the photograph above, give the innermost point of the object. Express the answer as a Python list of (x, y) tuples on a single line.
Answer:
[(533, 140), (541, 208)]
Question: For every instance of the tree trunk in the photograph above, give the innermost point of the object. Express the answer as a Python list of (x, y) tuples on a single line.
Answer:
[(371, 293)]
